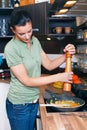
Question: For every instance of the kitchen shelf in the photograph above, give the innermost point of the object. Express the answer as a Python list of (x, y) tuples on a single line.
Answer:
[(9, 36), (62, 18), (6, 10), (62, 21), (60, 35)]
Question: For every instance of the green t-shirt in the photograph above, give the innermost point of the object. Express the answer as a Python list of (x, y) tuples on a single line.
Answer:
[(17, 52)]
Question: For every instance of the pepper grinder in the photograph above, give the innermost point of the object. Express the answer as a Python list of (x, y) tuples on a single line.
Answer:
[(67, 86)]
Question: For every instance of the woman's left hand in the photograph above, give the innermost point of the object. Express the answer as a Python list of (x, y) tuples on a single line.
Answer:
[(70, 48)]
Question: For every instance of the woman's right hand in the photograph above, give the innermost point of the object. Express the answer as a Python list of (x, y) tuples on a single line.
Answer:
[(65, 77)]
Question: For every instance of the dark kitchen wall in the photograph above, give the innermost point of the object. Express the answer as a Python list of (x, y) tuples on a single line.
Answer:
[(53, 46), (56, 44)]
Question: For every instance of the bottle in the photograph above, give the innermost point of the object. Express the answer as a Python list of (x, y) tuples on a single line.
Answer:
[(10, 3), (3, 3), (4, 28), (16, 3)]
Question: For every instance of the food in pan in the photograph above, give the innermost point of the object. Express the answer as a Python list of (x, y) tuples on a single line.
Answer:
[(65, 103)]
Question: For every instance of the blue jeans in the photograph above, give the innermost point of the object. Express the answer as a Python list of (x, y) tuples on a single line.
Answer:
[(22, 116)]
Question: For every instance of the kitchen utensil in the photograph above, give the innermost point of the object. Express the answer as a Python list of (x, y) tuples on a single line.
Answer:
[(63, 108), (67, 86), (65, 96)]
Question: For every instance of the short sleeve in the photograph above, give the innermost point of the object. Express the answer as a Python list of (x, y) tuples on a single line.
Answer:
[(12, 56)]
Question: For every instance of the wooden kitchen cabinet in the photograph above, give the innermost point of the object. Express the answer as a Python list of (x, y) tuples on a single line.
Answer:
[(52, 1), (39, 15), (26, 2), (44, 23)]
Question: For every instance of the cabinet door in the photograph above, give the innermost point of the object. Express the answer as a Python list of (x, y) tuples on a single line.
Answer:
[(39, 17)]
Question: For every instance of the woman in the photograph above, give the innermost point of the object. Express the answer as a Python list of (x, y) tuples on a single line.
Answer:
[(24, 56)]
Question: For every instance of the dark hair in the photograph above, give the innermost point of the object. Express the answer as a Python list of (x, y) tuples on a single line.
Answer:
[(19, 17)]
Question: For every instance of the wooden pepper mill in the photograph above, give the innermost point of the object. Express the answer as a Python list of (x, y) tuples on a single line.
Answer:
[(67, 86)]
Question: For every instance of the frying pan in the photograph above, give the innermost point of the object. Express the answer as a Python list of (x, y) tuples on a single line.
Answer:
[(65, 96)]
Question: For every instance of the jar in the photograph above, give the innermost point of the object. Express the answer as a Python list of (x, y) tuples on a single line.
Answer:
[(80, 34), (67, 30), (5, 3), (58, 30), (85, 34)]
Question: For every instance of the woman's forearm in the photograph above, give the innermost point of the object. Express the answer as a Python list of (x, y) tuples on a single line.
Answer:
[(40, 81), (56, 62), (20, 73)]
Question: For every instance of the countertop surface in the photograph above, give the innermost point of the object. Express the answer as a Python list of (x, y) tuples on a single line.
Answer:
[(5, 80)]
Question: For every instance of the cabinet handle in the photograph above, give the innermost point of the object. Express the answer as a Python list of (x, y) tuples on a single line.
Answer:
[(36, 30)]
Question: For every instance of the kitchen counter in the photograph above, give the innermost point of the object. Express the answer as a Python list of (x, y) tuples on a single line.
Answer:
[(61, 120), (5, 81)]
